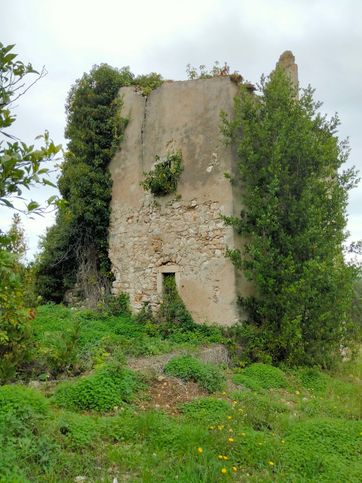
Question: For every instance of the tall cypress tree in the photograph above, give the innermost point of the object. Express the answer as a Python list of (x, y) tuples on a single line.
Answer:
[(293, 223)]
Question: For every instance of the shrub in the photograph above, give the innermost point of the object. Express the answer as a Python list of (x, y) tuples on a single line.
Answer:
[(261, 376), (312, 379), (259, 411), (118, 305), (206, 409), (162, 179), (23, 403), (188, 368), (15, 330), (101, 391), (324, 450), (78, 431), (173, 312)]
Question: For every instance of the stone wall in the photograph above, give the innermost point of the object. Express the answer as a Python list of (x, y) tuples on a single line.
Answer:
[(182, 233)]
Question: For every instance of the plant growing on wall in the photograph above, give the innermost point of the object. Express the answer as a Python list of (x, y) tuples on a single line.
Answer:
[(293, 225), (75, 249), (216, 70), (162, 179)]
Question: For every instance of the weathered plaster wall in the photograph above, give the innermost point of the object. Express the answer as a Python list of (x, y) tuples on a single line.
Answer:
[(184, 233)]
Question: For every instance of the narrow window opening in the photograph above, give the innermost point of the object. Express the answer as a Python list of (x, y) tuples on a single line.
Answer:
[(168, 283)]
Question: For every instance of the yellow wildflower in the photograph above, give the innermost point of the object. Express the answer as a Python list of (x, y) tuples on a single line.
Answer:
[(231, 440), (225, 458), (200, 450), (220, 457), (235, 469), (297, 393), (271, 463), (230, 417), (224, 471)]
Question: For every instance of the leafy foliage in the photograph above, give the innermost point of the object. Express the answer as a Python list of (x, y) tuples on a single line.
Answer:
[(77, 245), (261, 376), (101, 391), (216, 70), (20, 165), (293, 225), (309, 430), (23, 412), (206, 409), (146, 83), (188, 368), (162, 180), (68, 341), (75, 249), (26, 404), (172, 309), (14, 319)]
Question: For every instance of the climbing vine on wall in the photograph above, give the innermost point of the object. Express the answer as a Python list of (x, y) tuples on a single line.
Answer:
[(75, 249), (162, 179)]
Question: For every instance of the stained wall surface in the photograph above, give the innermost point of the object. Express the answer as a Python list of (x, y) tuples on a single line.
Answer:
[(180, 233)]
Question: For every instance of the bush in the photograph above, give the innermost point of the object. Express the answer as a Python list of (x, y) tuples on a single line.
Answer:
[(162, 180), (101, 391), (118, 305), (312, 379), (78, 431), (206, 409), (15, 330), (324, 450), (27, 450), (188, 368), (261, 376), (23, 403), (259, 411)]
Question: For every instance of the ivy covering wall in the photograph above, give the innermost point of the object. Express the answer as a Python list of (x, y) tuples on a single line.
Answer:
[(75, 249)]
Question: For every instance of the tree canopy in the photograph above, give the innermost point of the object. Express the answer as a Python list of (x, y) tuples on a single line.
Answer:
[(293, 223), (21, 165)]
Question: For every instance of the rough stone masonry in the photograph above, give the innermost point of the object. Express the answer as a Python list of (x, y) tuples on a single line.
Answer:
[(183, 233)]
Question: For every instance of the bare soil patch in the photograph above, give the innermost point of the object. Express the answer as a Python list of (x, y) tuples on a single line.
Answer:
[(167, 393)]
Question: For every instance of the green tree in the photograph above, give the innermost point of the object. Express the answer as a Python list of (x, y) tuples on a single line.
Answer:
[(15, 238), (21, 166), (293, 224), (75, 249)]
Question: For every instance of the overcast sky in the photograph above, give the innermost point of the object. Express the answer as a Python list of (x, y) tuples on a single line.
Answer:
[(68, 37)]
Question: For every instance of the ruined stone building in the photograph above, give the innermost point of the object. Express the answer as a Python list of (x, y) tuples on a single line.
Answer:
[(181, 234)]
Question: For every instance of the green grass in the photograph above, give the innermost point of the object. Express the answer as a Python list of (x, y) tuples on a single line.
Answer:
[(189, 368), (107, 388), (73, 341), (261, 376), (300, 425)]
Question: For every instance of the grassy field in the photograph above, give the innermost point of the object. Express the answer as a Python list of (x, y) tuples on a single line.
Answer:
[(252, 424)]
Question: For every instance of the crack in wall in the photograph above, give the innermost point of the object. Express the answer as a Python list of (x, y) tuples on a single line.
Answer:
[(143, 127)]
